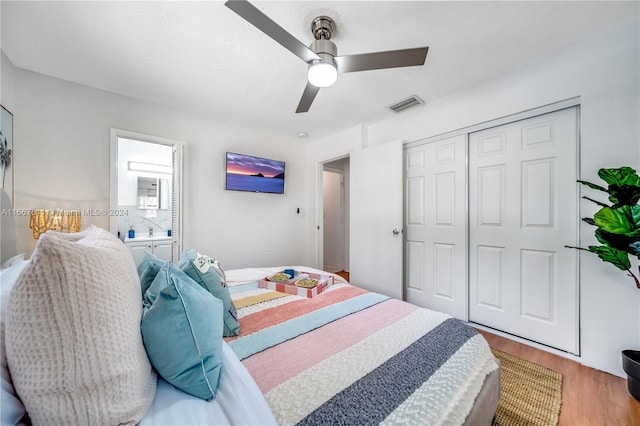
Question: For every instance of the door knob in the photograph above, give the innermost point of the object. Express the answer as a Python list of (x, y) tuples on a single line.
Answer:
[(396, 232)]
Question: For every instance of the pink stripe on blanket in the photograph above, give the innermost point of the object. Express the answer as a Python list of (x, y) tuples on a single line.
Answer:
[(279, 314), (280, 363)]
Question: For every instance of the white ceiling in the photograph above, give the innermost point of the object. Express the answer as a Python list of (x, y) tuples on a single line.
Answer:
[(203, 58)]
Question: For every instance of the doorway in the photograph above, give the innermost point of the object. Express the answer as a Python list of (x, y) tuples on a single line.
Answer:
[(335, 215), (146, 190)]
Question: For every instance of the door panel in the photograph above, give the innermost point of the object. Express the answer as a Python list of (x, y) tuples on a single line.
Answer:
[(522, 212), (435, 206), (375, 212)]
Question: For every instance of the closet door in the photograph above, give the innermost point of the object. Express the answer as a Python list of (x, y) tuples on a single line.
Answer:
[(435, 220), (523, 201)]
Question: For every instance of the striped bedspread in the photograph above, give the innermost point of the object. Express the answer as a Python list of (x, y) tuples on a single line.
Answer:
[(349, 356)]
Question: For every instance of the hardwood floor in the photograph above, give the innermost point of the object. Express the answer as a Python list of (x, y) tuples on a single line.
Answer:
[(589, 397), (343, 274)]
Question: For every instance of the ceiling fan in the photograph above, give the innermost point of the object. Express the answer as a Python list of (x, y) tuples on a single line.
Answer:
[(321, 55)]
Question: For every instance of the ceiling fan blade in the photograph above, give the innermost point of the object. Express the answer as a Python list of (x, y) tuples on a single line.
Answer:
[(265, 24), (381, 60), (308, 96)]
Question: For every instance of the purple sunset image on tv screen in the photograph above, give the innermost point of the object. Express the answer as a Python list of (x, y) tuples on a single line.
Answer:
[(254, 174)]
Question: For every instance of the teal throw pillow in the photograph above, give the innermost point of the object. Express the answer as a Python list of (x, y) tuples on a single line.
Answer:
[(207, 272), (182, 333), (148, 269)]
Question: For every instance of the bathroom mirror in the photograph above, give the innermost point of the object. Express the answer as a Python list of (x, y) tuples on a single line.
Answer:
[(153, 193)]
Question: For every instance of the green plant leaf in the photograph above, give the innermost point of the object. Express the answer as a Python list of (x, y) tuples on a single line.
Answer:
[(623, 220), (621, 176), (593, 185), (596, 202), (617, 241), (617, 258), (635, 246), (624, 195)]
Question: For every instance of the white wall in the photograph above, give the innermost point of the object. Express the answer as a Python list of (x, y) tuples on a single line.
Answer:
[(8, 243), (604, 72), (62, 161)]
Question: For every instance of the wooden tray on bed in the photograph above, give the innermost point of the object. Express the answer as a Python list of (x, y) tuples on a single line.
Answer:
[(291, 287)]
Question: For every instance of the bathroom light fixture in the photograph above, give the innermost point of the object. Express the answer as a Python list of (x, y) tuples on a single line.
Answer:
[(42, 220), (322, 73), (136, 166)]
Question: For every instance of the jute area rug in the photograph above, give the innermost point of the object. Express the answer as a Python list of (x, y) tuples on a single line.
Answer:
[(530, 393)]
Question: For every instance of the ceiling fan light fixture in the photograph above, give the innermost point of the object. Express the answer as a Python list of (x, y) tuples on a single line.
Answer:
[(322, 55), (322, 74)]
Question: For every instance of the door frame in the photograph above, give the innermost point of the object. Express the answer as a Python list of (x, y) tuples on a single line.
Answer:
[(343, 239), (319, 221), (177, 205), (544, 109)]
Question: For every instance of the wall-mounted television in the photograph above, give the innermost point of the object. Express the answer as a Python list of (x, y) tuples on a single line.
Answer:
[(254, 174)]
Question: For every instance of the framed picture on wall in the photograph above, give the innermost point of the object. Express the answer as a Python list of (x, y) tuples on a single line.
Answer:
[(6, 157)]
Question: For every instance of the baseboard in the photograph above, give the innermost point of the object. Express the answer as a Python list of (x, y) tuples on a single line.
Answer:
[(527, 342)]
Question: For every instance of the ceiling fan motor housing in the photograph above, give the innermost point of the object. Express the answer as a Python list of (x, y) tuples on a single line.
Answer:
[(326, 50), (323, 27), (324, 46)]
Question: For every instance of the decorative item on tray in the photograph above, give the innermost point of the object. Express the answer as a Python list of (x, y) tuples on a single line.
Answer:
[(306, 284), (280, 276), (287, 276)]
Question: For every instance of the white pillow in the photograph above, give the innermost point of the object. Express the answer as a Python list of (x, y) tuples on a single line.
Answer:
[(73, 337), (12, 409), (15, 260), (238, 401)]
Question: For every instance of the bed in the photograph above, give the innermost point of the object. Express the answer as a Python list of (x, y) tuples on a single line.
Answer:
[(346, 356)]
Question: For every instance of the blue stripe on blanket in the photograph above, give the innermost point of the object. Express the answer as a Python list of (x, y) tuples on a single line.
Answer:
[(376, 395), (246, 346), (242, 287)]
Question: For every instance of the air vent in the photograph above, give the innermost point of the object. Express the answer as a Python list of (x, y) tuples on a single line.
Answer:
[(405, 104)]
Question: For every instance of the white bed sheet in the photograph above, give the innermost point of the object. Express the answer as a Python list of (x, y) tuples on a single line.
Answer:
[(238, 401)]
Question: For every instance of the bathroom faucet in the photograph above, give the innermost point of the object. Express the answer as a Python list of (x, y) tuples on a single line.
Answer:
[(151, 231)]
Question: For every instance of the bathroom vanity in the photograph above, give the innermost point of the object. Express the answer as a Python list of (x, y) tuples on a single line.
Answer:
[(160, 246)]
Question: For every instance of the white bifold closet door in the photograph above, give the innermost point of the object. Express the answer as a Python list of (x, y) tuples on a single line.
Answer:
[(523, 210), (435, 220)]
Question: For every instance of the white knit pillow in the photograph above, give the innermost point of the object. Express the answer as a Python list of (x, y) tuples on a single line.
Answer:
[(73, 337)]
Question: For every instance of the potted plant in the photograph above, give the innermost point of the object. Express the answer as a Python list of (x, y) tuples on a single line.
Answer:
[(618, 232)]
